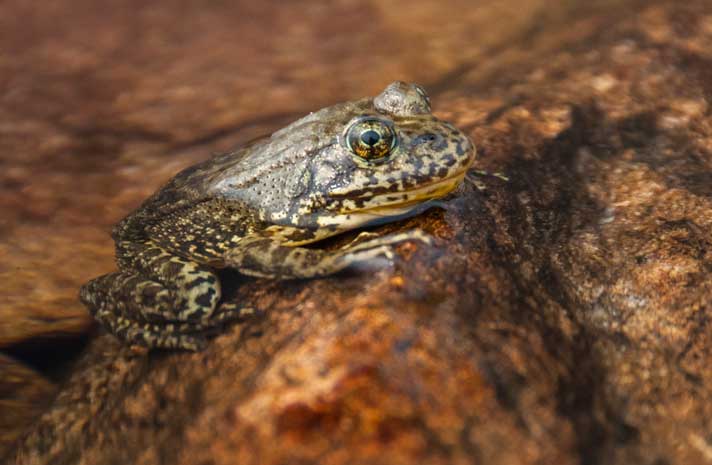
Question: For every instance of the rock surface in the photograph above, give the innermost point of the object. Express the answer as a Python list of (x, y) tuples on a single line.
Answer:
[(561, 317), (24, 394)]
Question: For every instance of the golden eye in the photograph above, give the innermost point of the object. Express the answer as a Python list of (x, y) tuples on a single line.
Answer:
[(371, 138)]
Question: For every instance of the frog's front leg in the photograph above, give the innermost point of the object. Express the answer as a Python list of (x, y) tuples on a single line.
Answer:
[(157, 299), (271, 258)]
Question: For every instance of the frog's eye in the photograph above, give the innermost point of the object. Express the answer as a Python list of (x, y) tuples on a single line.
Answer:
[(371, 138)]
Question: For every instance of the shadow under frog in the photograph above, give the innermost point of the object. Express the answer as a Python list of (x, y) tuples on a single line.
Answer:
[(373, 160)]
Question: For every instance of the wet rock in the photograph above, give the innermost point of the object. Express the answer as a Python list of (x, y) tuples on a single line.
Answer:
[(560, 317), (24, 394)]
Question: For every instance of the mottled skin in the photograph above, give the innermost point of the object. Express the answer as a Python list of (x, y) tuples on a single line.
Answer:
[(343, 167)]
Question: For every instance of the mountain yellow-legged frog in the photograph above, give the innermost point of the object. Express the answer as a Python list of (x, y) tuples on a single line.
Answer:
[(347, 166)]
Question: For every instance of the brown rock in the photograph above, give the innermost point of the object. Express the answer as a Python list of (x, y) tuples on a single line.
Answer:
[(562, 317), (24, 394)]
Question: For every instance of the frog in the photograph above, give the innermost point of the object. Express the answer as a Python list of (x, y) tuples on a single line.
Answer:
[(264, 208)]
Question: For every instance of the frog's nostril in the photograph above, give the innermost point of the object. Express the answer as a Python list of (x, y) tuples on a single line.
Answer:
[(425, 138)]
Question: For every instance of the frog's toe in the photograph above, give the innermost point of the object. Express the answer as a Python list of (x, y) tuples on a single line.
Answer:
[(367, 262), (156, 337), (192, 343), (391, 239), (371, 259), (232, 312), (226, 314)]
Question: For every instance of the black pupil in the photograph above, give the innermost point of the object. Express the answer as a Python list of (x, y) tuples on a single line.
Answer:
[(370, 137)]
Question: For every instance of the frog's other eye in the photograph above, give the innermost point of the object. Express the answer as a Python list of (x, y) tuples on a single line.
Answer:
[(371, 138)]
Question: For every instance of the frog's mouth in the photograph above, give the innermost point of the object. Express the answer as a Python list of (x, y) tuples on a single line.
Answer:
[(384, 210), (409, 199)]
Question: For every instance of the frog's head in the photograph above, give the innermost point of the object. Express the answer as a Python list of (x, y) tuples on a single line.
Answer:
[(356, 163), (392, 155)]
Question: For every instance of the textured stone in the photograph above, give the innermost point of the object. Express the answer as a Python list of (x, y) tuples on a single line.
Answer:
[(24, 394), (561, 317)]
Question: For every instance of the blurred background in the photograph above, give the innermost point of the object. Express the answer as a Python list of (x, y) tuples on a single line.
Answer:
[(103, 101)]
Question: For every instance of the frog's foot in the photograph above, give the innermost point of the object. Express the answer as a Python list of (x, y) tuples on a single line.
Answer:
[(495, 174), (264, 257), (375, 253), (185, 336), (226, 313), (150, 335), (361, 237), (479, 185), (135, 296), (142, 311), (168, 287), (391, 239)]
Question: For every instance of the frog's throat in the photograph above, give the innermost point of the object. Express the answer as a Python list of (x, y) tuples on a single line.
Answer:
[(414, 201)]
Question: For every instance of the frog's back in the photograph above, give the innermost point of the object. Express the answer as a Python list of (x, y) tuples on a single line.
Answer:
[(188, 188), (229, 178)]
